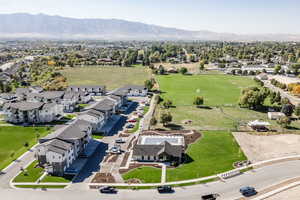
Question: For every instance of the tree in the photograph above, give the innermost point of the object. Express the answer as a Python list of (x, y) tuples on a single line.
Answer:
[(277, 69), (167, 104), (149, 84), (26, 144), (161, 70), (252, 98), (284, 122), (277, 98), (287, 109), (153, 121), (165, 118), (296, 89), (183, 70), (198, 101), (201, 67), (285, 101), (297, 111)]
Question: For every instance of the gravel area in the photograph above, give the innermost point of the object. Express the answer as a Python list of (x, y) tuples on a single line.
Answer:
[(258, 148)]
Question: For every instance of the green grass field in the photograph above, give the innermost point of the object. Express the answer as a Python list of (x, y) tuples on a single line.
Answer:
[(12, 140), (216, 89), (221, 93), (214, 153), (145, 174), (112, 77), (31, 174)]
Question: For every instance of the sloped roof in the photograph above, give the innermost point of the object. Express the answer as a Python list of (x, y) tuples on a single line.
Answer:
[(155, 150)]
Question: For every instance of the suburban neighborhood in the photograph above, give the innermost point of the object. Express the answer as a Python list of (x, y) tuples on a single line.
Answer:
[(120, 101)]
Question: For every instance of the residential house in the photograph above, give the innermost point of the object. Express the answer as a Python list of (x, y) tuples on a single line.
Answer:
[(135, 90), (159, 148), (92, 90)]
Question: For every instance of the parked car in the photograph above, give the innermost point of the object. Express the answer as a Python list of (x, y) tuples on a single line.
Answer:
[(209, 197), (120, 140), (130, 126), (131, 120), (114, 150), (108, 190), (248, 191), (165, 189)]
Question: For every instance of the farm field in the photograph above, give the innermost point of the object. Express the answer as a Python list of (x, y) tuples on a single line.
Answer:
[(221, 94), (111, 77), (13, 138)]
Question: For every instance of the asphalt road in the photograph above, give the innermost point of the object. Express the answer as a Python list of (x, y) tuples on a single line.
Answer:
[(259, 178)]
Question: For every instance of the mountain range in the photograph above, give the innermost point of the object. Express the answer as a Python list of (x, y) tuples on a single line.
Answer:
[(41, 26)]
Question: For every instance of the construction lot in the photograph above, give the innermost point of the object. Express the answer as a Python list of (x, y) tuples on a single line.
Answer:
[(262, 147)]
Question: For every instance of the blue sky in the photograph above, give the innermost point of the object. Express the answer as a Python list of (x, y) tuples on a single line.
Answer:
[(236, 16)]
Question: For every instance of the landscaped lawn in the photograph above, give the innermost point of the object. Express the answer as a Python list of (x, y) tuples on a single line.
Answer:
[(56, 179), (13, 138), (30, 174), (214, 153), (41, 186), (110, 76), (145, 174)]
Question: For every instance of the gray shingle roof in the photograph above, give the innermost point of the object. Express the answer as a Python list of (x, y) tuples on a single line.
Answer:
[(155, 150), (58, 146), (24, 105), (103, 105), (76, 130)]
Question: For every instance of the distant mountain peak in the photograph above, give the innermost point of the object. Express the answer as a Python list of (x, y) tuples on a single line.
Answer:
[(23, 25)]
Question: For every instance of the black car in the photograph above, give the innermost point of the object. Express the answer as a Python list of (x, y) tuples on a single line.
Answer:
[(209, 197), (248, 191), (108, 190), (165, 189)]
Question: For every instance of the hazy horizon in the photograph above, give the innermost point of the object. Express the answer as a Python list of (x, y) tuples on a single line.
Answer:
[(223, 16)]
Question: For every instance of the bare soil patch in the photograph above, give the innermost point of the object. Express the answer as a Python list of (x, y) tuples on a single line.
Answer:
[(103, 178), (265, 147)]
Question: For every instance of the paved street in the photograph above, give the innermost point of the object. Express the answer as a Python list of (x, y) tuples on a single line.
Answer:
[(293, 100), (259, 178), (14, 168)]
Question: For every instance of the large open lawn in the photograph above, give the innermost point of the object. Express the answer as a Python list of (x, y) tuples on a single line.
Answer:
[(112, 77), (214, 153), (216, 89), (221, 94), (13, 138)]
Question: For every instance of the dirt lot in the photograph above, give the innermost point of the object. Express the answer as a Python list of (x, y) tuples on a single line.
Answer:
[(258, 148), (292, 193)]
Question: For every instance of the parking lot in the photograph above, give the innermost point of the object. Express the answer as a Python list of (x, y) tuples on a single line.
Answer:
[(119, 139)]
